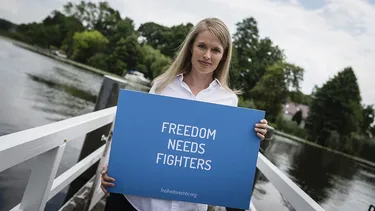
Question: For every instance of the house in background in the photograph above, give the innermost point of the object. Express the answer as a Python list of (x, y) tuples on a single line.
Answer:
[(291, 108)]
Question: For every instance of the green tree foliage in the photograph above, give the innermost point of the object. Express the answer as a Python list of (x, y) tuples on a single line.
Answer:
[(123, 29), (272, 90), (299, 97), (100, 17), (154, 61), (86, 44), (6, 25), (166, 39), (129, 51), (336, 107), (253, 55)]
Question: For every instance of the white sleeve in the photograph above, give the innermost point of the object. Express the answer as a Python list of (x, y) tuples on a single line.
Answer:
[(235, 100)]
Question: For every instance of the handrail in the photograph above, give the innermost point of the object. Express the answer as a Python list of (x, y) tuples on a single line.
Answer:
[(18, 147), (47, 144)]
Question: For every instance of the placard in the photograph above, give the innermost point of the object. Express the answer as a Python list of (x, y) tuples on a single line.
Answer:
[(185, 150)]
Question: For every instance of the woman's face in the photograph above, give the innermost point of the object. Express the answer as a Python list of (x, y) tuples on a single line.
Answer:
[(207, 53)]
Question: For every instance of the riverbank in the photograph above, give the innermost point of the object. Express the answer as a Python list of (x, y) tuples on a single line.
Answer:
[(47, 53), (295, 138)]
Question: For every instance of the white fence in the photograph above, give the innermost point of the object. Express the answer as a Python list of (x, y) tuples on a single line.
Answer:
[(47, 143)]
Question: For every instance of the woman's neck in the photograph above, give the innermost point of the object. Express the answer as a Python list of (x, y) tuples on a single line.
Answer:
[(197, 82)]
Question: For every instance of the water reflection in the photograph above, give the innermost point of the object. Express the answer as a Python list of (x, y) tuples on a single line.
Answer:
[(70, 90), (319, 172), (334, 181)]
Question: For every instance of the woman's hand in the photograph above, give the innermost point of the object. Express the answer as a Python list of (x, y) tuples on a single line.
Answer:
[(261, 129), (106, 180)]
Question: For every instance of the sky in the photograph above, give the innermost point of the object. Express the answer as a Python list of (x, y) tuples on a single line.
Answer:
[(321, 36)]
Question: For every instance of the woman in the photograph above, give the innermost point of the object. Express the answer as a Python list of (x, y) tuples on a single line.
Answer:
[(199, 72)]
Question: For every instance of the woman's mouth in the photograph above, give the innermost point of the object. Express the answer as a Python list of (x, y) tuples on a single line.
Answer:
[(206, 64)]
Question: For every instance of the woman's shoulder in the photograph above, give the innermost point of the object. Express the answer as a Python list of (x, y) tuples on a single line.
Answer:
[(231, 96)]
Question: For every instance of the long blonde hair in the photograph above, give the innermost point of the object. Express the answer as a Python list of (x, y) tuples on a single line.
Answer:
[(182, 61)]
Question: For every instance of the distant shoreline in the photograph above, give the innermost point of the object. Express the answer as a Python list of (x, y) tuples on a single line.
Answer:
[(294, 138), (45, 52)]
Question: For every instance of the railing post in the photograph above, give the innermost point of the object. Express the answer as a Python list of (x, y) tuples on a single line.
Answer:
[(108, 97), (41, 178), (97, 180)]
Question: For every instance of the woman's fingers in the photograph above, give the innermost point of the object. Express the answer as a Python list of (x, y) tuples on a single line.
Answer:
[(264, 126), (106, 181), (108, 178), (260, 136), (105, 191), (262, 131), (106, 184)]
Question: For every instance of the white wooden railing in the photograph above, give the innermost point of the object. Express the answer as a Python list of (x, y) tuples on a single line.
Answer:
[(46, 144)]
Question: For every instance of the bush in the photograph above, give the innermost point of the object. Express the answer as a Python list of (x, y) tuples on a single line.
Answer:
[(359, 145), (246, 103), (354, 144), (289, 127)]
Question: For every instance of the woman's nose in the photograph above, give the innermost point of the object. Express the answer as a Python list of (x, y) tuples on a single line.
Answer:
[(207, 55)]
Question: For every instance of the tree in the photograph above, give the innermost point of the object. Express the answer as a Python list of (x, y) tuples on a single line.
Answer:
[(154, 61), (99, 17), (299, 97), (87, 44), (128, 51), (272, 90), (254, 55), (100, 61), (174, 37), (71, 25), (6, 25), (163, 38), (336, 106), (123, 29), (153, 34)]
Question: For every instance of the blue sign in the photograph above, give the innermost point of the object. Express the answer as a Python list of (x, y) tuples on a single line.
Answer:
[(184, 150)]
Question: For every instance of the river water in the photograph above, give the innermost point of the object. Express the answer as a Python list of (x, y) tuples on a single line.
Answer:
[(36, 90)]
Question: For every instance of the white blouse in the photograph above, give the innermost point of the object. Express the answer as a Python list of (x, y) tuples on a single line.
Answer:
[(215, 93)]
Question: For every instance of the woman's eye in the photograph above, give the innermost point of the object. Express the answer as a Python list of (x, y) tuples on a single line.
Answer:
[(200, 46)]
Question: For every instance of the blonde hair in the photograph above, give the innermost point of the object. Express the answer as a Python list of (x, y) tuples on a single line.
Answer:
[(182, 61)]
